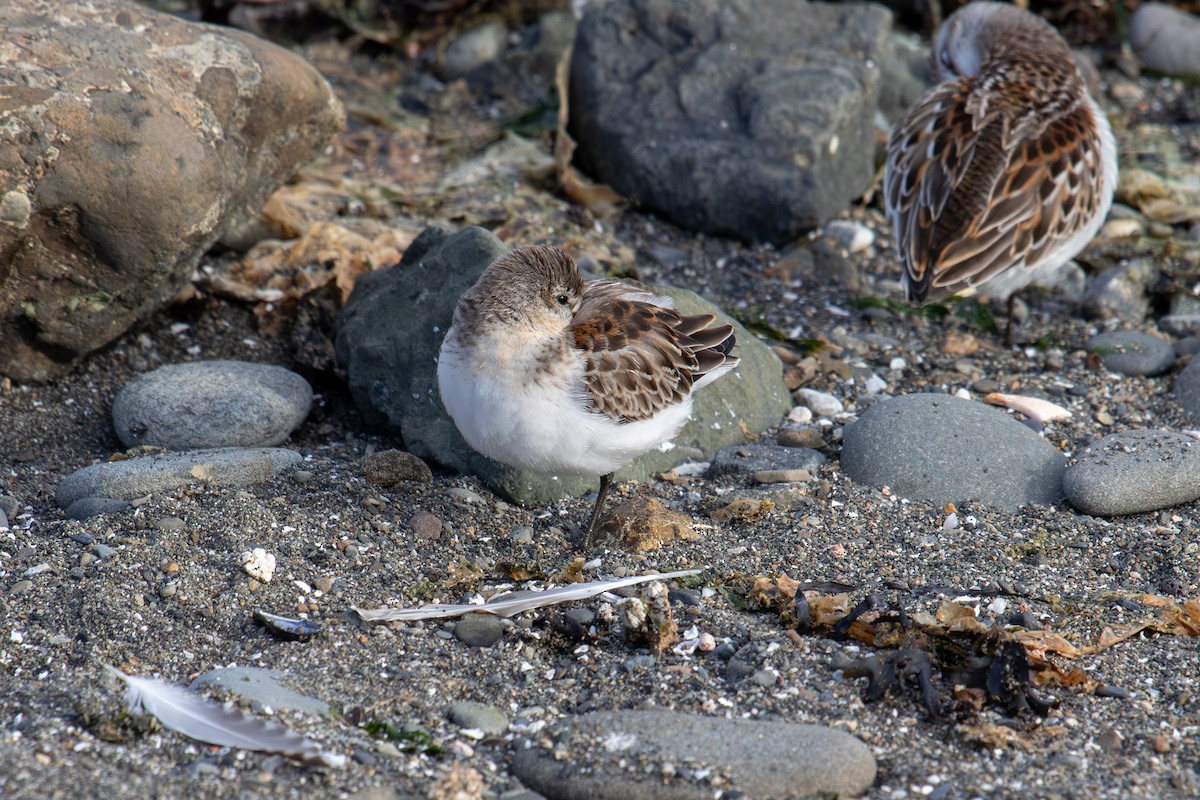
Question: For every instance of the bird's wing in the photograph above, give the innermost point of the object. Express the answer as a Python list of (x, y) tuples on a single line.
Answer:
[(972, 189), (642, 356)]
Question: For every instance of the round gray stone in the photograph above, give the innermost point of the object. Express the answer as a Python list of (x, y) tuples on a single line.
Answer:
[(1166, 39), (137, 477), (761, 758), (1134, 471), (946, 449), (744, 460), (1187, 389), (204, 404), (1133, 352), (479, 630), (488, 719)]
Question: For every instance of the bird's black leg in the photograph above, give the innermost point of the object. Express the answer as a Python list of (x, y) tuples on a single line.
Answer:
[(1009, 332), (605, 482)]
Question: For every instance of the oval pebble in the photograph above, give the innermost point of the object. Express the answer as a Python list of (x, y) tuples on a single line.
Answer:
[(947, 449), (1166, 39), (823, 404), (391, 467), (1134, 471), (489, 719), (137, 477), (203, 404), (762, 758), (1132, 352), (479, 630)]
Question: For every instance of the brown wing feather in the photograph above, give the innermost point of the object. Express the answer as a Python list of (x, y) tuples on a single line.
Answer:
[(973, 189), (641, 357)]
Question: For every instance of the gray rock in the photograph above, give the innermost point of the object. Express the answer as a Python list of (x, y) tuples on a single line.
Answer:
[(904, 76), (94, 507), (1166, 39), (390, 332), (1187, 390), (205, 404), (10, 505), (1120, 292), (112, 188), (1181, 325), (761, 758), (1133, 352), (942, 448), (261, 687), (479, 630), (1134, 471), (474, 48), (488, 719), (750, 118), (136, 477), (391, 467), (744, 460)]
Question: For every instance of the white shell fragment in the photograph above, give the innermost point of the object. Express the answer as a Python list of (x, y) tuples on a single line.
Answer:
[(1033, 407), (259, 564)]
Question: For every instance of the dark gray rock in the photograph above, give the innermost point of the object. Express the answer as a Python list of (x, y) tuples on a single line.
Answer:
[(205, 404), (261, 687), (133, 141), (761, 758), (95, 507), (1187, 389), (1166, 39), (479, 630), (391, 330), (742, 461), (1134, 471), (942, 448), (748, 118), (488, 719), (136, 477), (1133, 352)]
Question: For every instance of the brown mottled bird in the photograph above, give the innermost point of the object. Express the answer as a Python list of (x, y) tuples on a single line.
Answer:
[(1004, 171), (546, 372)]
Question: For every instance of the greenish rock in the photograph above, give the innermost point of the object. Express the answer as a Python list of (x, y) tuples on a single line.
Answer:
[(390, 332)]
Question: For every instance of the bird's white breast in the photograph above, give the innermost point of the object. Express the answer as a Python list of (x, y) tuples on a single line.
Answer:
[(539, 419)]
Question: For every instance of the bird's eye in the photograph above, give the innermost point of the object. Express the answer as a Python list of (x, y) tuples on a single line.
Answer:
[(947, 63), (563, 299)]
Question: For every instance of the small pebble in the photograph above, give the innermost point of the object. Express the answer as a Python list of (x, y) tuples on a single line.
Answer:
[(1108, 690), (808, 436), (822, 404), (782, 476), (104, 551), (479, 630), (489, 719), (391, 467), (464, 495), (426, 525)]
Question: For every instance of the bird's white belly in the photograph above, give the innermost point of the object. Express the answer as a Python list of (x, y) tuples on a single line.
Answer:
[(544, 426)]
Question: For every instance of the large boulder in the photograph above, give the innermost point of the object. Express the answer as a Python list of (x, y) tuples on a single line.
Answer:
[(745, 118), (390, 332), (130, 141)]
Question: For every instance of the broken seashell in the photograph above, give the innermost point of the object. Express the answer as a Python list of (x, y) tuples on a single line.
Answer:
[(1033, 407)]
